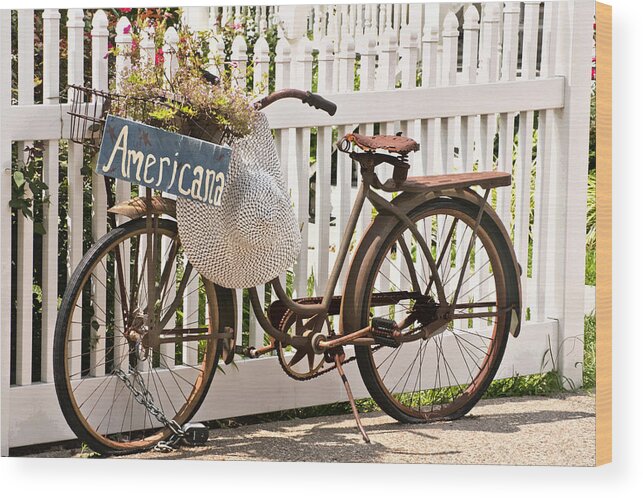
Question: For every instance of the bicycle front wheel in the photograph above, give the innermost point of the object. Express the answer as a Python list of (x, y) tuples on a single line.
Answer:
[(104, 364), (444, 365)]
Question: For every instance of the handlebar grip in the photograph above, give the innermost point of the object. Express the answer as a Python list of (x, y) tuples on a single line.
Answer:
[(319, 102)]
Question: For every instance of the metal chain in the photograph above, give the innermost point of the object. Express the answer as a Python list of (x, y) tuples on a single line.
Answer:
[(145, 398)]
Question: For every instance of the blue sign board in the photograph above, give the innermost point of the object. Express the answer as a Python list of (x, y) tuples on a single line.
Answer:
[(161, 160)]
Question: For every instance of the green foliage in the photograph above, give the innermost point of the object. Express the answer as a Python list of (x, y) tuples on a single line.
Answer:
[(589, 352), (28, 191), (183, 101), (590, 241)]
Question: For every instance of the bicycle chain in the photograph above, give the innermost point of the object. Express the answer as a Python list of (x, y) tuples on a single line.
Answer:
[(146, 399), (321, 372)]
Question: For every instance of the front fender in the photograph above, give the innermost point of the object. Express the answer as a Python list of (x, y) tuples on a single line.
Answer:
[(385, 222), (227, 302), (137, 207)]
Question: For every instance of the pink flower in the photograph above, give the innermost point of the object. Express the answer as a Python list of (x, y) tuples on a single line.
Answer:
[(594, 68), (158, 57), (127, 29), (125, 11)]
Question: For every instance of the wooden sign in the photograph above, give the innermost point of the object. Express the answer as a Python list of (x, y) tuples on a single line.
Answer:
[(161, 160)]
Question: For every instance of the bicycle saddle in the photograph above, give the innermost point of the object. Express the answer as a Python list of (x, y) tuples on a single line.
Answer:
[(390, 143)]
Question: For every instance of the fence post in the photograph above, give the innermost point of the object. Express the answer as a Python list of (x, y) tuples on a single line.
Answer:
[(573, 62), (5, 230)]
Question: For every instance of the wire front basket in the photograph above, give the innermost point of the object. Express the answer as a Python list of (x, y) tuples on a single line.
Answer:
[(89, 109)]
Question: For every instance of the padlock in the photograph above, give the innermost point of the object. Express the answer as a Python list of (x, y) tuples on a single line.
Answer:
[(195, 434)]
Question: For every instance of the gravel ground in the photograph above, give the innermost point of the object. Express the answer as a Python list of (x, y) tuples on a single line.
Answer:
[(556, 430)]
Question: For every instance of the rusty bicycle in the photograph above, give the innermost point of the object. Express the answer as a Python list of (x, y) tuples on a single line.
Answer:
[(132, 370)]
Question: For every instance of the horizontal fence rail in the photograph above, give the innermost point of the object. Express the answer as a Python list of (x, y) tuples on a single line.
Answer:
[(494, 86)]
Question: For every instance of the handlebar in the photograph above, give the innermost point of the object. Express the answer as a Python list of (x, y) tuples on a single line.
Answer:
[(312, 99)]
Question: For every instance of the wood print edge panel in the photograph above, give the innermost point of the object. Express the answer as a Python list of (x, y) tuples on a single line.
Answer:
[(604, 233)]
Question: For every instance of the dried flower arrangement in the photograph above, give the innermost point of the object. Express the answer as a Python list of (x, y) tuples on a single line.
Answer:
[(185, 99)]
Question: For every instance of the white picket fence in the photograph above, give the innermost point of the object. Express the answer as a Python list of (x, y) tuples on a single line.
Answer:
[(458, 78)]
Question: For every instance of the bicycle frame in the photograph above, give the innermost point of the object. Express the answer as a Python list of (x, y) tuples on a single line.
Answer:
[(365, 192)]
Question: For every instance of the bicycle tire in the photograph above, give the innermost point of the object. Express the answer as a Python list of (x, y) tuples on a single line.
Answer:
[(79, 422)]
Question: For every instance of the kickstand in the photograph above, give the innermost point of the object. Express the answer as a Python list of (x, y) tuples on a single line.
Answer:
[(338, 363)]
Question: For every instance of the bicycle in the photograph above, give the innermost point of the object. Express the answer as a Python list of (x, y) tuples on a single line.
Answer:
[(427, 345)]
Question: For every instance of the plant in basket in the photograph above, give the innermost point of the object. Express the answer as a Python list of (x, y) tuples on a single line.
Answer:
[(176, 93)]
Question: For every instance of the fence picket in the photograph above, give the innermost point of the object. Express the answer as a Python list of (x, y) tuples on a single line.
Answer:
[(506, 122), (323, 167), (428, 127), (261, 66), (545, 167), (302, 79), (5, 230), (123, 191), (51, 83), (24, 286), (368, 54), (489, 71), (525, 144), (385, 80), (469, 70), (261, 86), (99, 35), (239, 59), (75, 58), (344, 162), (408, 68), (191, 304), (449, 61)]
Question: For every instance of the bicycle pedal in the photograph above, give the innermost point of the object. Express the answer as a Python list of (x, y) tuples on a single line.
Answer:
[(195, 434), (383, 331)]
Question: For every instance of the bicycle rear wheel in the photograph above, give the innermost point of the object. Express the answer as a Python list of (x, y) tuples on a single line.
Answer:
[(439, 372), (100, 339)]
